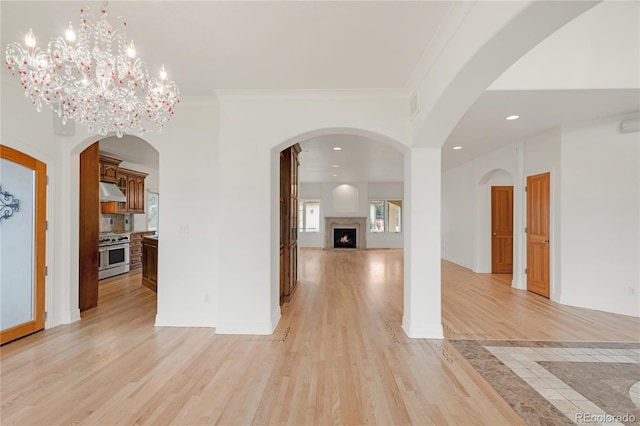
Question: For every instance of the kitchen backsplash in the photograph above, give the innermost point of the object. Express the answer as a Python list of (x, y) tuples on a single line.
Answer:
[(115, 222)]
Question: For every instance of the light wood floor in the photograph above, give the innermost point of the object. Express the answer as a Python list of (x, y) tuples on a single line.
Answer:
[(338, 356)]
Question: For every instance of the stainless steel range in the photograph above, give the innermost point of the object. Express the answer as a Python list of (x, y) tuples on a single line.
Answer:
[(114, 254)]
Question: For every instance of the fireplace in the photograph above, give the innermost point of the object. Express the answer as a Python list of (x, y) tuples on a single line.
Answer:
[(344, 238), (357, 226)]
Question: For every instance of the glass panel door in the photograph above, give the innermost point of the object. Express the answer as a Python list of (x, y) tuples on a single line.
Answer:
[(22, 181)]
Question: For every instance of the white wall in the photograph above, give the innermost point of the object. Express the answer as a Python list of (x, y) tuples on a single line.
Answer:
[(458, 206), (598, 49), (600, 212), (190, 218)]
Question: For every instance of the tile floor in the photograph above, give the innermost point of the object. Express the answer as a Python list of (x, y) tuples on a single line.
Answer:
[(562, 382)]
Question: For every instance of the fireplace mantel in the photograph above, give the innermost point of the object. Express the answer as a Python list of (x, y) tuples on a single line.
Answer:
[(359, 223)]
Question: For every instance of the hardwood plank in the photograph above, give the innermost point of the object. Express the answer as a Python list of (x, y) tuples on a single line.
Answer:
[(338, 355)]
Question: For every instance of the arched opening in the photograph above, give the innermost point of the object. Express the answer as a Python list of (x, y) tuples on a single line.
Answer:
[(348, 179), (129, 165)]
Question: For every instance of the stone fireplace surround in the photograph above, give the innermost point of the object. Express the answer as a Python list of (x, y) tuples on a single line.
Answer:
[(359, 223)]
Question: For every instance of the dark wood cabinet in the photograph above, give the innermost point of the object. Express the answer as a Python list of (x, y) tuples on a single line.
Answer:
[(150, 262), (135, 250), (109, 168), (131, 183), (289, 165)]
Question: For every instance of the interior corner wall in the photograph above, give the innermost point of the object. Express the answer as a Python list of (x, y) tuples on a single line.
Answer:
[(600, 213)]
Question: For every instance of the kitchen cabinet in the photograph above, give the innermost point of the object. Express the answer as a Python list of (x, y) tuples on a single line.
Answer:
[(150, 262), (131, 183), (109, 168), (135, 249)]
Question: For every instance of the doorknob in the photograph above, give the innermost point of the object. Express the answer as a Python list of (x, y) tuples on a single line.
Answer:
[(495, 233), (545, 241)]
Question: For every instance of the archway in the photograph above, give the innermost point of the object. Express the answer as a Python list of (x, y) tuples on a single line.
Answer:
[(137, 156), (346, 198)]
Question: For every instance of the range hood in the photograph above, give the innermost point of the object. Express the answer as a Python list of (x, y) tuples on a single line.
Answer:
[(111, 192)]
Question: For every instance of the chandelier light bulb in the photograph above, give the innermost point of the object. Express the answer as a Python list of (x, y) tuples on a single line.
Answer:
[(131, 50), (30, 39), (70, 35), (93, 78)]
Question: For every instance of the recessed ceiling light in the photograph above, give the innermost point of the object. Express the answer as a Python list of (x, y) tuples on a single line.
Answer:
[(336, 148), (334, 175), (334, 166), (512, 117), (457, 147)]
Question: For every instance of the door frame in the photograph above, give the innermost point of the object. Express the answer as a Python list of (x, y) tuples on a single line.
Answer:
[(39, 250)]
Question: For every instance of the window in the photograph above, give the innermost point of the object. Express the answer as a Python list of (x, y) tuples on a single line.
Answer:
[(385, 216), (152, 210), (309, 215)]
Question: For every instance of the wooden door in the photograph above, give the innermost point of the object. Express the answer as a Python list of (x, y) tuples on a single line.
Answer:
[(502, 229), (89, 227), (538, 232), (23, 238), (288, 222)]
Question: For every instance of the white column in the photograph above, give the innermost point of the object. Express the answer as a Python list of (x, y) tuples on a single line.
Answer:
[(422, 316)]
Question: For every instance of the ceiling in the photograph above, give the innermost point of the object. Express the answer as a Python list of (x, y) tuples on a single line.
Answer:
[(483, 128), (226, 45), (131, 149), (360, 159), (312, 45)]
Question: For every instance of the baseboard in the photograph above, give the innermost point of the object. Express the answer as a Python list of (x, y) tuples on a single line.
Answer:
[(423, 331)]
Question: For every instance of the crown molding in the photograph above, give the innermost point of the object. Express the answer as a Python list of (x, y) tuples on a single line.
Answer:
[(311, 95), (456, 15)]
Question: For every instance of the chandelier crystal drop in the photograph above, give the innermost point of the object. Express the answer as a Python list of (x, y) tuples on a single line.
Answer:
[(94, 78)]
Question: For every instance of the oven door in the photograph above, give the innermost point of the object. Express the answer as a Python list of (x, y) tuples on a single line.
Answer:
[(114, 260), (117, 255)]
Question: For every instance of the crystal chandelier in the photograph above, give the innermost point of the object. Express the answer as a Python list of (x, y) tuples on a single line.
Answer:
[(94, 78)]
